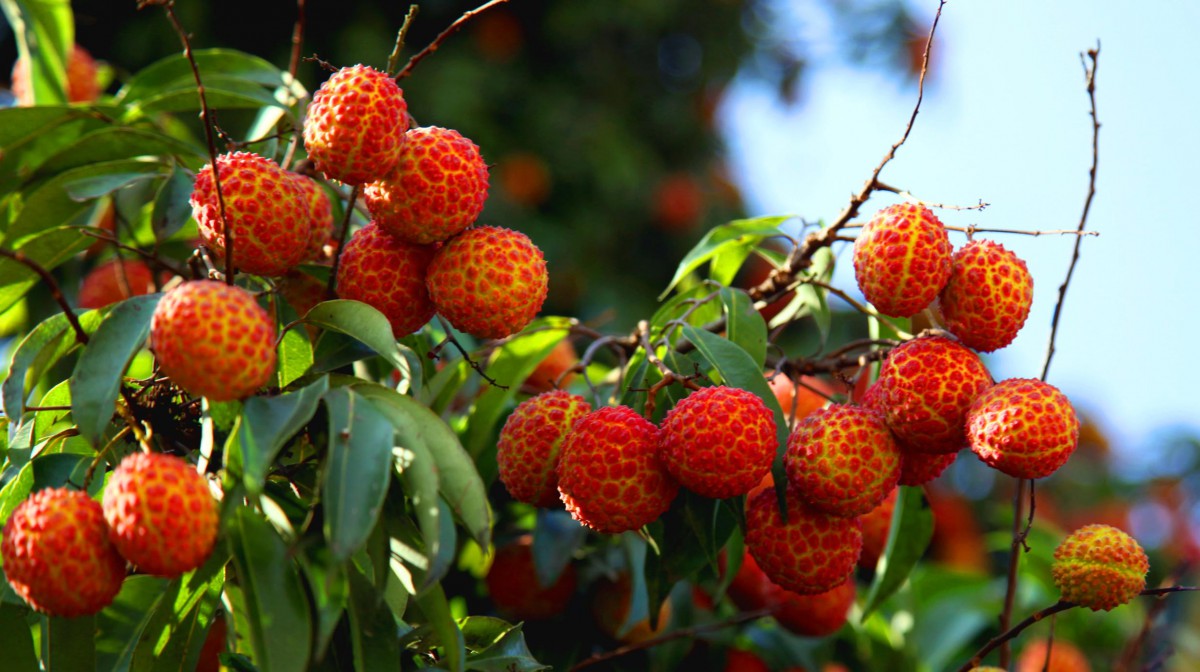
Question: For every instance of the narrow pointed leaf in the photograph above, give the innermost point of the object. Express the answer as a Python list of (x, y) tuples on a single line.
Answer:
[(909, 536), (268, 423), (726, 236), (356, 472)]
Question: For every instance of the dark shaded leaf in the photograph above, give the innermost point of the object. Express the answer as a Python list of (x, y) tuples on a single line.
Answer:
[(356, 471), (267, 424), (912, 528)]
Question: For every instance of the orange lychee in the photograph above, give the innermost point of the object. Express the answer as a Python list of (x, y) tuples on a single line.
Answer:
[(528, 448), (115, 280), (1023, 427), (354, 128), (817, 615), (812, 553), (1063, 657), (799, 399), (513, 584), (902, 259), (388, 274), (554, 371), (988, 296), (921, 468), (1099, 567), (741, 660), (82, 85)]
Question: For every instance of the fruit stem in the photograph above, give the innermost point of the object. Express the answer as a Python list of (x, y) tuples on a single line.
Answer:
[(337, 254)]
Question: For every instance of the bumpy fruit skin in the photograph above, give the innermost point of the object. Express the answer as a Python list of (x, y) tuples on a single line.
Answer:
[(57, 556), (302, 291), (843, 460), (160, 514), (115, 280), (1064, 657), (902, 259), (213, 340), (1023, 427), (921, 468), (818, 615), (265, 210), (488, 281), (389, 275), (719, 441), (513, 584), (926, 386), (609, 473), (876, 524), (529, 444), (82, 86), (320, 216), (814, 552), (354, 129), (1099, 567), (436, 190), (988, 296)]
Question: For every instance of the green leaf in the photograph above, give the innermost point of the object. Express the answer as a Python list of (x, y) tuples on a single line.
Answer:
[(361, 322), (111, 143), (497, 646), (330, 591), (70, 644), (175, 71), (436, 611), (31, 135), (267, 424), (16, 641), (48, 249), (23, 358), (372, 628), (294, 359), (220, 92), (555, 539), (120, 625), (172, 206), (356, 472), (727, 236), (278, 610), (176, 627), (16, 491), (414, 463), (744, 325), (45, 31), (96, 380), (912, 528)]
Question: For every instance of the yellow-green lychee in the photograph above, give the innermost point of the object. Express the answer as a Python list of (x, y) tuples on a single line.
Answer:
[(1099, 567)]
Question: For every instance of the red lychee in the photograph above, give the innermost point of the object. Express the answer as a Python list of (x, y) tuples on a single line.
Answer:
[(843, 460), (609, 473), (264, 208), (876, 524), (82, 86), (57, 556), (488, 281), (921, 468), (799, 399), (354, 129), (750, 589), (513, 584), (1099, 567), (528, 448), (388, 274), (161, 516), (740, 660), (812, 553), (902, 259), (988, 296), (320, 217), (115, 280), (678, 203), (719, 441), (818, 615), (1023, 427), (302, 291), (436, 190), (213, 340), (926, 386)]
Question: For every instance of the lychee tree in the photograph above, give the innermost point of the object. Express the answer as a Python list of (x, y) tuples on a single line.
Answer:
[(296, 416)]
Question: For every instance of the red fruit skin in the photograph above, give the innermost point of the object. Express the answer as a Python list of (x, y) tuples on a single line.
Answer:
[(610, 476), (388, 274), (988, 296), (57, 556), (214, 644), (876, 524), (82, 86), (719, 441), (513, 584), (488, 281), (302, 291), (750, 589), (817, 615), (549, 372), (264, 207), (354, 129), (1099, 567), (320, 216), (814, 552), (213, 340), (921, 468), (115, 280), (436, 190), (926, 386), (1064, 657), (161, 516), (902, 259), (738, 660), (529, 444), (799, 400), (1023, 427)]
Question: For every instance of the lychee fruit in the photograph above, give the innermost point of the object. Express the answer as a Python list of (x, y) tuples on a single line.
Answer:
[(354, 128), (213, 340), (264, 208), (436, 190), (1063, 657), (512, 582), (740, 660), (57, 556), (161, 516), (750, 589), (799, 399), (528, 448), (82, 85), (812, 553), (902, 259), (1023, 427), (320, 216), (921, 468), (554, 371), (488, 281), (610, 608), (678, 203), (843, 460), (719, 441), (988, 296), (818, 615), (876, 524), (1099, 567), (115, 280), (609, 473), (388, 274), (926, 386)]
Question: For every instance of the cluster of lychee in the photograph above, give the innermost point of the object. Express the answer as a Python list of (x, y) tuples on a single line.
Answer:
[(66, 554)]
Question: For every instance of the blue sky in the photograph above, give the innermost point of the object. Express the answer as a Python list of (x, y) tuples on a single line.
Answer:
[(1005, 120)]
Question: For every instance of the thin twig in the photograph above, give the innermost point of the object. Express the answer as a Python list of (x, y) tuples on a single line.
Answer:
[(681, 633), (55, 291), (394, 58), (972, 230), (331, 287), (297, 39), (465, 355), (437, 41)]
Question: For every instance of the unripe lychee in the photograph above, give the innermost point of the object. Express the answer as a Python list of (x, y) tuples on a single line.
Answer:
[(488, 281), (812, 553), (609, 473), (436, 190), (1099, 567), (818, 615), (57, 556), (876, 524), (921, 468), (82, 86), (161, 516), (926, 386), (988, 296), (902, 259), (213, 340), (115, 280), (263, 207), (529, 444), (354, 128), (1023, 427), (719, 441), (843, 460), (513, 584), (1064, 657), (388, 274), (320, 216)]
